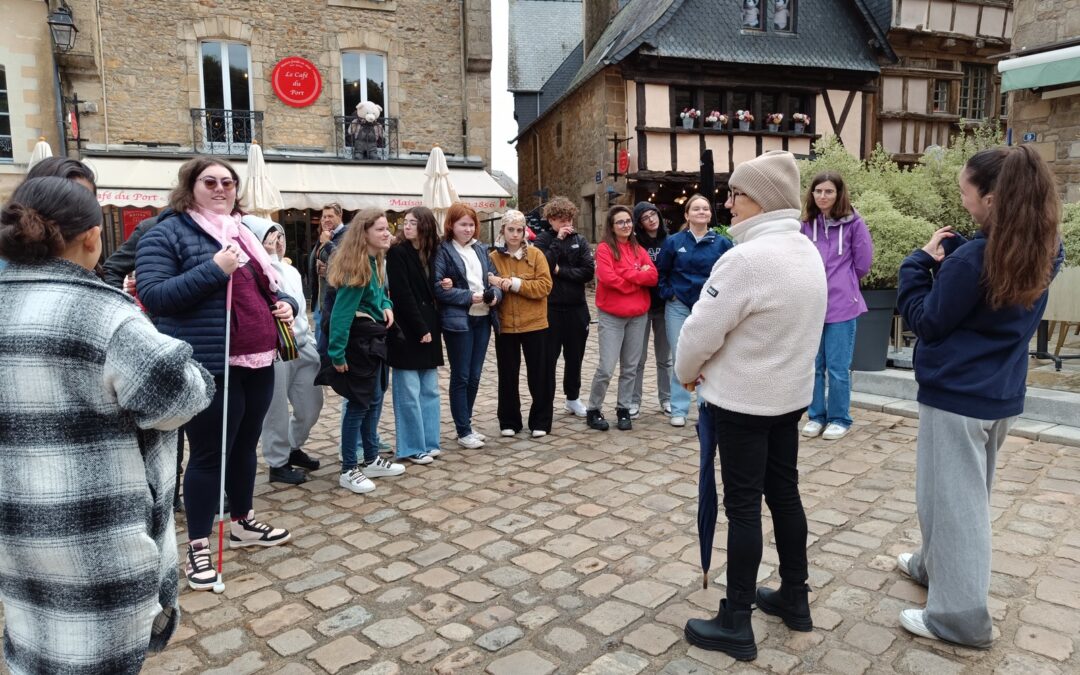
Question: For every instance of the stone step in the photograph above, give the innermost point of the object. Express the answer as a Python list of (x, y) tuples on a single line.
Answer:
[(1050, 415)]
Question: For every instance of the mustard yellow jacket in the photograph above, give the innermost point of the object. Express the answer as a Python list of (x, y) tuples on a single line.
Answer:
[(524, 307)]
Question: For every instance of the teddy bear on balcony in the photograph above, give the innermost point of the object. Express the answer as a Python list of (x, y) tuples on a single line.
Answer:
[(366, 131)]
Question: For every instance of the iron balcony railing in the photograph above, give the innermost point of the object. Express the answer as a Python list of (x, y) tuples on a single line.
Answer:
[(354, 139), (225, 132)]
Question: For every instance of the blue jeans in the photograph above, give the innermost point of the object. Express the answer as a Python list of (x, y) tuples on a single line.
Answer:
[(416, 411), (675, 315), (466, 351), (833, 357), (361, 425)]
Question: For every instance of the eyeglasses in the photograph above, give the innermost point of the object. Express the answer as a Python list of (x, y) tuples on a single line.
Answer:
[(736, 193), (649, 215), (623, 223), (211, 183), (824, 193)]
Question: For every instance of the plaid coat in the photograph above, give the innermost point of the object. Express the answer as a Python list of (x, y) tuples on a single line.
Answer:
[(90, 398)]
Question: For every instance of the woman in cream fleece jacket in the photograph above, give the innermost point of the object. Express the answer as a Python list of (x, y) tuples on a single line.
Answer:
[(755, 332)]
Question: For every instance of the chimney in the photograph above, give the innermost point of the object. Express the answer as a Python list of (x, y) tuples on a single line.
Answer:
[(595, 15)]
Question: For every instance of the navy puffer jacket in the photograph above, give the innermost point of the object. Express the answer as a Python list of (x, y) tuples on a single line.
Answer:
[(183, 288)]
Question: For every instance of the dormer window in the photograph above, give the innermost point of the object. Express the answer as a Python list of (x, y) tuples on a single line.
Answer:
[(784, 15), (753, 14)]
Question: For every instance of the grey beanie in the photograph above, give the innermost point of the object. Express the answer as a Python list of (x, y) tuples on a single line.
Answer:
[(771, 180)]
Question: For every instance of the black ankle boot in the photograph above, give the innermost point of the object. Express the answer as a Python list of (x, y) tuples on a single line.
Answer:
[(790, 603), (595, 420), (730, 632), (623, 423)]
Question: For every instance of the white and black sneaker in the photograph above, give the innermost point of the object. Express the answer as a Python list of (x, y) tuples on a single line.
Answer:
[(201, 575), (380, 467), (250, 532), (355, 481)]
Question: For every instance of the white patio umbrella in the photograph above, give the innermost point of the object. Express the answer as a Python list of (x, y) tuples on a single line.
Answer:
[(258, 195), (41, 151), (439, 192)]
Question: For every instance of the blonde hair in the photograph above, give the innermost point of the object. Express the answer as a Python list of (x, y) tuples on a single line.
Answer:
[(349, 265), (511, 217)]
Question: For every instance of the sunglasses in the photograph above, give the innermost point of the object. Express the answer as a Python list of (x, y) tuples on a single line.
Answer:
[(211, 183)]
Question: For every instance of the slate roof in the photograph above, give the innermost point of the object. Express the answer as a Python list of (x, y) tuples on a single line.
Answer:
[(542, 33), (882, 11), (527, 108)]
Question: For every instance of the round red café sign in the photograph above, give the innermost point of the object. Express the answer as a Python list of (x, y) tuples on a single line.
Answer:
[(296, 81)]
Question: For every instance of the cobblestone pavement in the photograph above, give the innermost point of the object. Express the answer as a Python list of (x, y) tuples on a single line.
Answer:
[(578, 552)]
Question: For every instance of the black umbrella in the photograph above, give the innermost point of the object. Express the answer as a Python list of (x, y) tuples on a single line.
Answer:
[(707, 503), (707, 183)]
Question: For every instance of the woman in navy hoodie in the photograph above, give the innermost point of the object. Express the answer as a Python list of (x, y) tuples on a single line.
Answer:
[(974, 308)]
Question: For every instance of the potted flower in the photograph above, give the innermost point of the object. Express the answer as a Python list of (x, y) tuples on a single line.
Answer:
[(774, 120), (688, 115), (716, 119), (800, 121), (745, 119)]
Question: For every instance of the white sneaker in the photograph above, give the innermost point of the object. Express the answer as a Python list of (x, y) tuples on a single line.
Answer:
[(812, 429), (635, 412), (678, 421), (250, 532), (903, 561), (834, 431), (914, 621), (538, 433), (422, 458), (575, 407), (479, 435), (434, 452), (472, 441), (380, 467), (355, 480), (507, 432)]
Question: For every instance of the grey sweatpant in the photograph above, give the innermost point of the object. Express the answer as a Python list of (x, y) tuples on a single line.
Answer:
[(294, 382), (620, 343), (955, 458)]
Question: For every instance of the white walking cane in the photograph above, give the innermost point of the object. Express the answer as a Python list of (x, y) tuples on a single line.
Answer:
[(219, 586)]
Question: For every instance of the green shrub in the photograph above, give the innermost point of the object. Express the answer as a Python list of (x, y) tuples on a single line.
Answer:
[(942, 171), (895, 236), (1070, 232)]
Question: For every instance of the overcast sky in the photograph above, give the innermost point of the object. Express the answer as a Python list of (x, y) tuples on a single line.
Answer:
[(503, 126)]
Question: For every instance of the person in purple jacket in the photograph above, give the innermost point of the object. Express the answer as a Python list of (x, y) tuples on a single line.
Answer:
[(844, 243)]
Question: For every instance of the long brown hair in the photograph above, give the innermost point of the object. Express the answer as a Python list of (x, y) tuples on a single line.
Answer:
[(427, 234), (349, 264), (609, 230), (841, 207), (1022, 235), (182, 198), (456, 212)]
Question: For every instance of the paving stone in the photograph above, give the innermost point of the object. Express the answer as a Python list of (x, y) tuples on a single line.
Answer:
[(845, 662), (394, 571), (603, 528), (918, 662), (566, 640), (536, 562), (291, 642), (496, 639), (507, 577), (568, 545), (344, 651), (426, 651), (457, 632), (1025, 664), (433, 554), (344, 620), (611, 616), (393, 632), (467, 564), (521, 663), (776, 661), (537, 617), (558, 579), (652, 639), (869, 638), (437, 577), (646, 593), (223, 642), (287, 615), (618, 663), (437, 608), (252, 662), (492, 616), (457, 662), (1044, 642), (260, 601), (474, 591)]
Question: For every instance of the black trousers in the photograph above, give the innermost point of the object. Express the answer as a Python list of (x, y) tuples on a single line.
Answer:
[(758, 456), (540, 375), (568, 328)]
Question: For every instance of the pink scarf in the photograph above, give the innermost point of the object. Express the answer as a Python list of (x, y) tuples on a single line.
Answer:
[(227, 228)]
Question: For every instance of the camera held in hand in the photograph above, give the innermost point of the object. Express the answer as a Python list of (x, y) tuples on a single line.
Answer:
[(489, 295)]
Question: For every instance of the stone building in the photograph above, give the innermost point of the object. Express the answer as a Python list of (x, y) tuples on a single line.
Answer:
[(609, 125), (162, 81), (1043, 74), (27, 91)]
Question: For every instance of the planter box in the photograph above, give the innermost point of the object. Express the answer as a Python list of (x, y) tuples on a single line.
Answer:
[(872, 330), (774, 128), (744, 126), (688, 122), (800, 128)]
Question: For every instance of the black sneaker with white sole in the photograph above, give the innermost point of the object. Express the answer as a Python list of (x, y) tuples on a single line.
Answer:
[(250, 532), (201, 575)]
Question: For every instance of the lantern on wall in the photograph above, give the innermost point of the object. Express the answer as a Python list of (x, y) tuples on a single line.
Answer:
[(62, 26)]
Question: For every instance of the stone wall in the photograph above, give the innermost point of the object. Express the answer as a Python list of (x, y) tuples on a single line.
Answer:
[(1055, 122), (150, 53), (567, 166)]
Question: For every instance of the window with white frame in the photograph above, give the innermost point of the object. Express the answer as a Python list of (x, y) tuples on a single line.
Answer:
[(5, 119), (974, 91), (363, 78), (226, 91)]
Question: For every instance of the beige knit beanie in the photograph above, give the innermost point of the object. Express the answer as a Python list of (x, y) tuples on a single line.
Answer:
[(771, 180)]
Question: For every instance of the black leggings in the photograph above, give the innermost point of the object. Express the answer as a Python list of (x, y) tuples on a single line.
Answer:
[(758, 457), (250, 393)]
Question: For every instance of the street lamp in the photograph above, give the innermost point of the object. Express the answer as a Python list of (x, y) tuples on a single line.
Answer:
[(62, 27)]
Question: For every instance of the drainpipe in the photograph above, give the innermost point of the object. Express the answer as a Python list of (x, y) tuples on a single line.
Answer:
[(101, 69), (464, 85)]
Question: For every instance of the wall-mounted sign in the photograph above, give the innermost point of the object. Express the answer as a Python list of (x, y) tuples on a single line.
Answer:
[(1029, 137), (296, 81), (624, 160), (599, 176)]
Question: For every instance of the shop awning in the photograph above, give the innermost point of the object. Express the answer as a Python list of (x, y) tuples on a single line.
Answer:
[(1045, 69), (130, 181)]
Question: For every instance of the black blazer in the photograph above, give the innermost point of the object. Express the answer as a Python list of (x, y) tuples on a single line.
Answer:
[(415, 313)]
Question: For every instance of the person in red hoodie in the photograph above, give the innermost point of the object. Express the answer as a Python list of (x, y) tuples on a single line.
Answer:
[(624, 275)]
